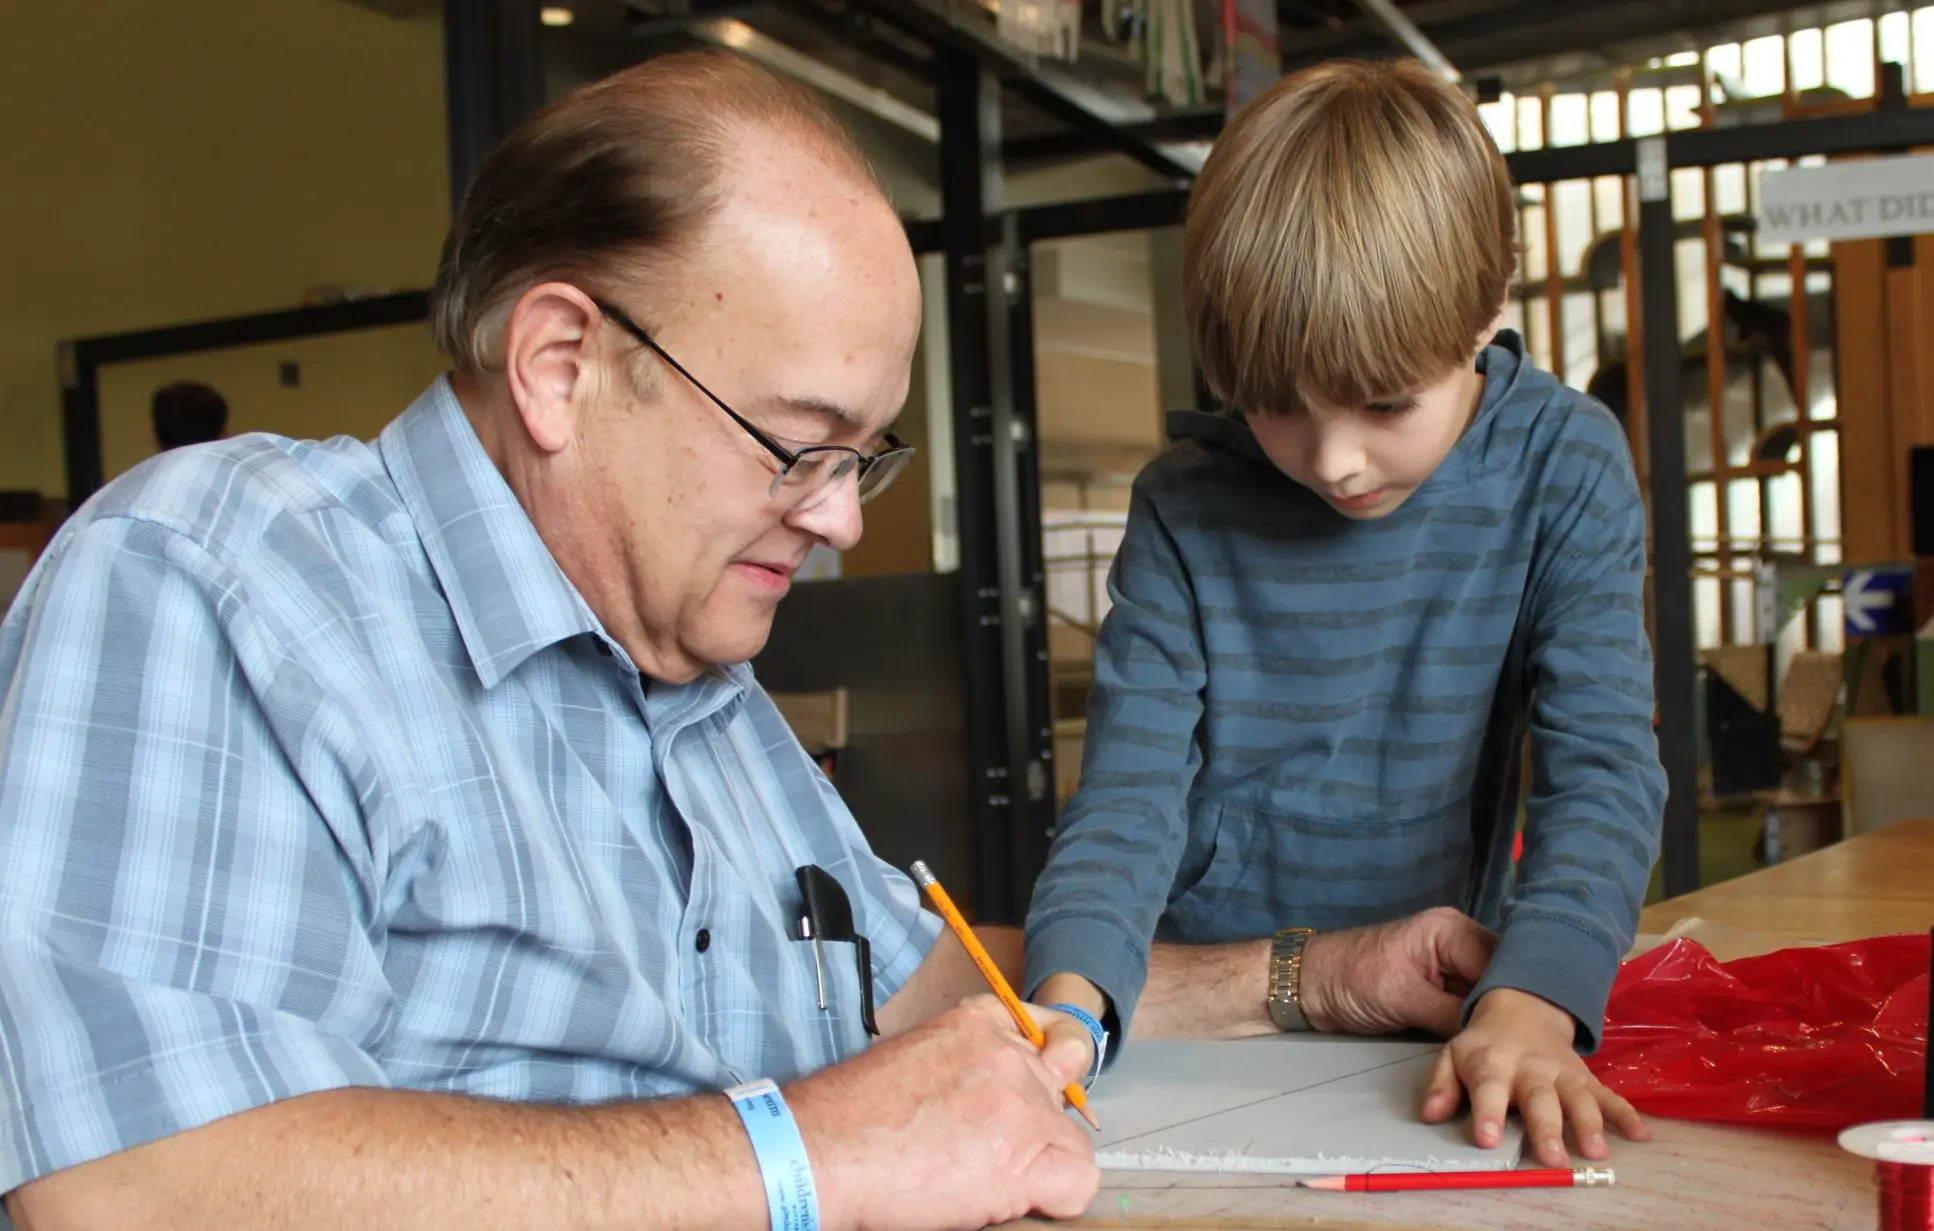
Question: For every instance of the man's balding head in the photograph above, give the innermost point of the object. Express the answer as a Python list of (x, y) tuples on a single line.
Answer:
[(694, 218), (600, 182)]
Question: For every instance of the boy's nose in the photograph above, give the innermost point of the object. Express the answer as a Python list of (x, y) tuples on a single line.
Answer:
[(1335, 458)]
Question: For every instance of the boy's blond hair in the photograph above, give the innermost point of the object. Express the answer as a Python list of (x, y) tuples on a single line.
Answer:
[(1349, 239)]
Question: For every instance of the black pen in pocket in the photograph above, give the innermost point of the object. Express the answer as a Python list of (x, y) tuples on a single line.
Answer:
[(825, 914)]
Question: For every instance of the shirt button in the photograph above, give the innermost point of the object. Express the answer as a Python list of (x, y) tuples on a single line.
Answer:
[(704, 940)]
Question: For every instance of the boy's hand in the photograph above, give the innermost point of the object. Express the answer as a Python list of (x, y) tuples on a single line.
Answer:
[(1517, 1051)]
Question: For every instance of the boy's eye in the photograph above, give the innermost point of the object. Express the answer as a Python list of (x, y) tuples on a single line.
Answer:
[(1392, 408)]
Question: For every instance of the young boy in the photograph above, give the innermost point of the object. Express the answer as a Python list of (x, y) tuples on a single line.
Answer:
[(1337, 606)]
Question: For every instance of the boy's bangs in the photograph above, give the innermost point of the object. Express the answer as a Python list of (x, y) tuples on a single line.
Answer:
[(1350, 239)]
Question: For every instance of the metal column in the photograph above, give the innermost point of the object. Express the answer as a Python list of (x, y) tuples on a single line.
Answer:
[(1675, 655), (997, 501), (80, 416), (493, 77), (1024, 639)]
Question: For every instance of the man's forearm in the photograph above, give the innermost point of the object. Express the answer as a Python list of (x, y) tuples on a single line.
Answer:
[(948, 976), (356, 1159), (1205, 991)]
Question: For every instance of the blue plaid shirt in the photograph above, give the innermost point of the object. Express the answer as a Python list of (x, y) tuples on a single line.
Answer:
[(315, 771)]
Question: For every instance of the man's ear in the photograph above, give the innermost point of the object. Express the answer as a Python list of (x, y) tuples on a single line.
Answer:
[(549, 347)]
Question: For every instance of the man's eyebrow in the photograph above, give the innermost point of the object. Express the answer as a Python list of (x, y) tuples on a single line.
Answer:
[(838, 418), (836, 415)]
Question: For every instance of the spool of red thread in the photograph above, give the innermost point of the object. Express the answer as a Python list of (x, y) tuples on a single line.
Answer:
[(1903, 1156)]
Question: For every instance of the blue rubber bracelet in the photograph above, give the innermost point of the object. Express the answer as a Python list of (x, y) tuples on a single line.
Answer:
[(1096, 1029), (791, 1200)]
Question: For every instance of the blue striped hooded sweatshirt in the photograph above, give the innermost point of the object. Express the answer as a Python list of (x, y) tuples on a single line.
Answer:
[(1303, 720)]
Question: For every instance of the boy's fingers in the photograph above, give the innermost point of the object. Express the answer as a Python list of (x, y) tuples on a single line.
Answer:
[(1544, 1123), (1623, 1116), (1580, 1098), (1490, 1100), (1444, 1092)]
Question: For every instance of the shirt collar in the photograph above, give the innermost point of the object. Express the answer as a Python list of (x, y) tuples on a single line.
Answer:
[(508, 595)]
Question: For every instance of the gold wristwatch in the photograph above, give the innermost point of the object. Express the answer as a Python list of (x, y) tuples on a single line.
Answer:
[(1286, 978)]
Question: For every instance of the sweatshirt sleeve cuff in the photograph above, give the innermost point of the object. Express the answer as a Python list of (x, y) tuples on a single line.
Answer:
[(1556, 961), (1099, 952)]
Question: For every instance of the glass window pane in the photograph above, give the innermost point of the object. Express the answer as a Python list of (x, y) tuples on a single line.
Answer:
[(1682, 107), (1923, 57), (1809, 63), (1604, 109), (1896, 40), (1705, 612), (1497, 118), (1530, 113), (1764, 69), (1570, 120), (1850, 57), (1647, 109)]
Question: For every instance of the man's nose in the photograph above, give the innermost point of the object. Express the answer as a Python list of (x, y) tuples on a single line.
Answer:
[(832, 516)]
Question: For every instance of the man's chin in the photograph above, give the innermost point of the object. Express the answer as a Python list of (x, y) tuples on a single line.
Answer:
[(738, 643)]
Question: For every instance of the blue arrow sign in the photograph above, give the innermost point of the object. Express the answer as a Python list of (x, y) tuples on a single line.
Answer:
[(1879, 602)]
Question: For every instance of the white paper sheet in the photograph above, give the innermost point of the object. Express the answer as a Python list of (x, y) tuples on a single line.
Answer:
[(1284, 1104)]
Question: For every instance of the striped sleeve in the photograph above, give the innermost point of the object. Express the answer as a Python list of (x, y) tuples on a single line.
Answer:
[(1121, 837), (1598, 791), (181, 937)]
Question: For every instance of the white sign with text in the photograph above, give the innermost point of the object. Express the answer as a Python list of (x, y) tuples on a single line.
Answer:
[(1866, 199)]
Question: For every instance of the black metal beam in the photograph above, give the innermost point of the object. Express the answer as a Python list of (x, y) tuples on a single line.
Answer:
[(1134, 211), (80, 423), (866, 34), (493, 78), (969, 104), (1395, 23), (1534, 31), (1079, 143), (1019, 77), (401, 308), (81, 360), (924, 234), (1674, 651)]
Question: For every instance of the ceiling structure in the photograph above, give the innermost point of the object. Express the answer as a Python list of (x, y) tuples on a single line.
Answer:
[(863, 55)]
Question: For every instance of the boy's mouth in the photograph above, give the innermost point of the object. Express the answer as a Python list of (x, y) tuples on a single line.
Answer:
[(1355, 504)]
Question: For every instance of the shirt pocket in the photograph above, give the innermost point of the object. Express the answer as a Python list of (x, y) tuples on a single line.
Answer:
[(1350, 865)]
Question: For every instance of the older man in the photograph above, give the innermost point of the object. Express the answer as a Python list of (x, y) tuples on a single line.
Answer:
[(389, 833)]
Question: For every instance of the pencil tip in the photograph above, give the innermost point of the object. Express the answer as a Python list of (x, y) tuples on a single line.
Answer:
[(1088, 1115), (1328, 1184)]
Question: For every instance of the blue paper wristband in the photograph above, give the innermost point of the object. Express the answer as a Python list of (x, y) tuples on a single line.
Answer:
[(1096, 1029), (791, 1200)]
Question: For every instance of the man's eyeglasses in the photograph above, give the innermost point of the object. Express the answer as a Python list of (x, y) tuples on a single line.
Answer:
[(805, 473)]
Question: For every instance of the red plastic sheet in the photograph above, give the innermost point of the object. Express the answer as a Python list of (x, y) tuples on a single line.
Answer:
[(1817, 1038)]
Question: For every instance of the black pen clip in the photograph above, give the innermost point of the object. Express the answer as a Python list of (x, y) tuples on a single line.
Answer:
[(826, 914)]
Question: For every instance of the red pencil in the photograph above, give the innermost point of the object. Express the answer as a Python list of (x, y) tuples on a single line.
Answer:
[(1423, 1181)]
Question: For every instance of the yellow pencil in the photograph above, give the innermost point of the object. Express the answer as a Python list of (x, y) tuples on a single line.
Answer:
[(1077, 1097)]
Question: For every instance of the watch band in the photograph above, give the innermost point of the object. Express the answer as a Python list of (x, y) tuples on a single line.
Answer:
[(1286, 978)]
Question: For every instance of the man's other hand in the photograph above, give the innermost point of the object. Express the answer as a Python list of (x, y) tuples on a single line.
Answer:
[(958, 1122), (1517, 1052), (1412, 974)]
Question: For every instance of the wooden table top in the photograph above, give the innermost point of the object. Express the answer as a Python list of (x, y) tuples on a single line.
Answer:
[(1690, 1177)]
